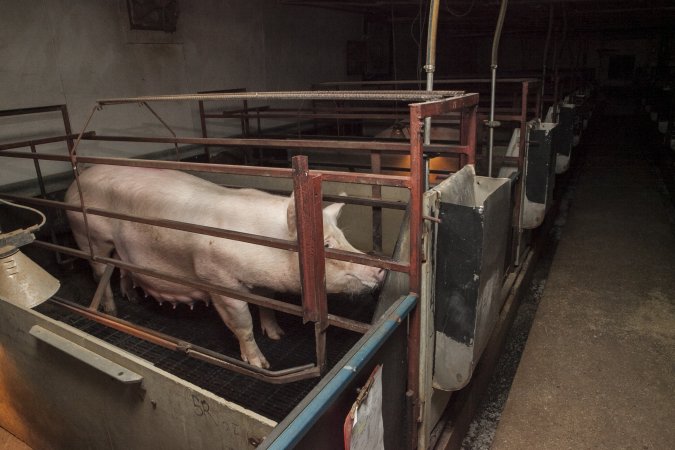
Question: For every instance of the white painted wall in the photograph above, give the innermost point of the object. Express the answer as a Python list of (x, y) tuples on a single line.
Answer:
[(77, 51)]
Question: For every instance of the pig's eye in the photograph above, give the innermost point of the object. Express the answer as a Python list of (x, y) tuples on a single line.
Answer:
[(326, 245)]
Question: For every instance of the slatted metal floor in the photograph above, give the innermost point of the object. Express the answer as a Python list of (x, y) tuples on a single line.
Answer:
[(202, 326)]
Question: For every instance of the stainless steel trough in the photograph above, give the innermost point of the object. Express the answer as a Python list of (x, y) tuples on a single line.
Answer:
[(470, 252)]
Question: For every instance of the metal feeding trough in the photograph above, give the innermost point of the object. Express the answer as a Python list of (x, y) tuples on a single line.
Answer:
[(564, 136), (540, 166), (539, 169), (470, 251)]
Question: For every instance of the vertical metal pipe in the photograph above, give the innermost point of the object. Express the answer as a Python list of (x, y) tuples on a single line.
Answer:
[(430, 67), (522, 162), (202, 121), (376, 167), (493, 82), (558, 46), (66, 126), (546, 46)]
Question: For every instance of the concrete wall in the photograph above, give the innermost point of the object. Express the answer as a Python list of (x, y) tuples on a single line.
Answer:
[(77, 51)]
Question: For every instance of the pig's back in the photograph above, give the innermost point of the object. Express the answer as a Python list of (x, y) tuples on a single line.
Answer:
[(175, 195)]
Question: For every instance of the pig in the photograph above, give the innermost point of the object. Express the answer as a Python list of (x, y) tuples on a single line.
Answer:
[(240, 266)]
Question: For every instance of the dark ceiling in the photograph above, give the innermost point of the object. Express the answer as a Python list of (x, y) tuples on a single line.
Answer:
[(523, 16)]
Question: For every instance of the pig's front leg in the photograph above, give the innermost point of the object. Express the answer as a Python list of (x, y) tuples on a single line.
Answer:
[(237, 317)]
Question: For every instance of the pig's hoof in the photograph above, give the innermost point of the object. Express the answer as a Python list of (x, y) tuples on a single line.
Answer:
[(132, 295), (111, 310), (257, 360), (272, 331)]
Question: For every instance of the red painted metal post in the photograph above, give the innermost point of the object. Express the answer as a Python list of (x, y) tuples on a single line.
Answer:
[(468, 132), (309, 223), (416, 193)]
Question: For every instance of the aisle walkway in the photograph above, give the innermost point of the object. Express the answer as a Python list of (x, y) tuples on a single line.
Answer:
[(598, 370)]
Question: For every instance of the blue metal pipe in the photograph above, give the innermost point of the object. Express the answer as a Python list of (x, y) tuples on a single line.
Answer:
[(290, 437)]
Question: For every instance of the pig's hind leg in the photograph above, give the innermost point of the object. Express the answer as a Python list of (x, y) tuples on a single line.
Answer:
[(100, 248), (268, 318), (107, 300), (237, 317), (128, 287), (269, 325), (101, 245)]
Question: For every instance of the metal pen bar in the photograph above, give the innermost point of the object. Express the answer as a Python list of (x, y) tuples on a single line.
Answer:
[(295, 310), (437, 82), (36, 142), (385, 146), (345, 177), (274, 114), (194, 351), (313, 144), (378, 95), (33, 110), (341, 255)]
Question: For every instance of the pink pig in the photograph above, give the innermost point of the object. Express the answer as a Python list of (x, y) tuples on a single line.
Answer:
[(244, 267)]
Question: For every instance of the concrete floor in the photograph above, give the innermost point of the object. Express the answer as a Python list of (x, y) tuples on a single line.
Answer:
[(598, 369)]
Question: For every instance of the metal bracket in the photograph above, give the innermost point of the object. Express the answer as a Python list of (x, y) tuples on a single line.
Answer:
[(114, 370), (15, 239)]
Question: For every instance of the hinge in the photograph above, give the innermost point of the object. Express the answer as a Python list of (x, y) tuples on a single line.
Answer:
[(419, 413)]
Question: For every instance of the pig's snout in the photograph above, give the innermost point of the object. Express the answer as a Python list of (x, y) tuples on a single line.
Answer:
[(380, 274), (374, 276), (353, 279)]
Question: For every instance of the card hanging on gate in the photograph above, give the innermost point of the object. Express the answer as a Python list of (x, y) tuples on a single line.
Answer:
[(364, 428)]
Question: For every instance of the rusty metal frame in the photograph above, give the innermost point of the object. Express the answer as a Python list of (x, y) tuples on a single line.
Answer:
[(339, 111), (203, 115), (68, 137), (523, 108), (418, 113), (307, 192)]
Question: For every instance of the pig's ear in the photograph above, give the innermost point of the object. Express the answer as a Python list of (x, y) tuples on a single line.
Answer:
[(290, 218), (332, 212)]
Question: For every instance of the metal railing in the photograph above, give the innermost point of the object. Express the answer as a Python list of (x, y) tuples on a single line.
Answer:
[(307, 189)]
